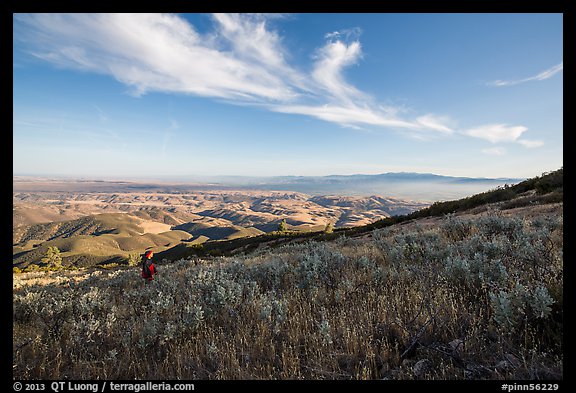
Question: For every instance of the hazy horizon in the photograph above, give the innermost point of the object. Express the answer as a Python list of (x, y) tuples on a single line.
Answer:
[(423, 187), (207, 177), (192, 95)]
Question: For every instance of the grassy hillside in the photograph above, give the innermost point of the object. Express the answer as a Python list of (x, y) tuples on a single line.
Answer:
[(547, 188), (542, 190), (477, 294), (91, 240), (84, 251), (111, 237), (216, 232), (476, 298), (116, 223)]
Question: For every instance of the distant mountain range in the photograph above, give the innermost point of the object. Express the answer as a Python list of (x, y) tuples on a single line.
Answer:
[(422, 187), (417, 186)]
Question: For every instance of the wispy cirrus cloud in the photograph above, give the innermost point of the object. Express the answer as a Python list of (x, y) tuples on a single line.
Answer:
[(328, 71), (346, 115), (530, 144), (496, 132), (436, 123), (546, 74), (501, 133), (241, 60), (154, 52)]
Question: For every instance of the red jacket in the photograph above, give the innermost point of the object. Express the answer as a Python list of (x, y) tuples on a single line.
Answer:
[(150, 276)]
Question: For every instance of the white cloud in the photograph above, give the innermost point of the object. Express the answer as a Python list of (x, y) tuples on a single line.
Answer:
[(549, 73), (252, 42), (241, 60), (497, 132), (346, 115), (159, 52), (494, 151), (530, 144), (436, 123), (334, 34), (327, 73)]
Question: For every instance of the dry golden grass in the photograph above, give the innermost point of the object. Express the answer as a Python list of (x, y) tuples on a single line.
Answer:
[(402, 303)]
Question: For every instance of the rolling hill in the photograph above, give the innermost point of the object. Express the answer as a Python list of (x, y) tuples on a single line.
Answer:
[(464, 289), (107, 237), (223, 221), (96, 225)]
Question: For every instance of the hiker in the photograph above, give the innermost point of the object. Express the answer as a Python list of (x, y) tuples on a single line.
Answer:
[(148, 268)]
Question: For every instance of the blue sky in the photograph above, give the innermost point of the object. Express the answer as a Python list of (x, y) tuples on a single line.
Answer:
[(174, 95)]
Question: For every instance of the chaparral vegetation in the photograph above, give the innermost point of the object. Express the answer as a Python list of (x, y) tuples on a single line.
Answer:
[(477, 295)]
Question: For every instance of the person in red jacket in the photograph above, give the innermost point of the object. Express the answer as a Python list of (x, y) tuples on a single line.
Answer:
[(148, 268)]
